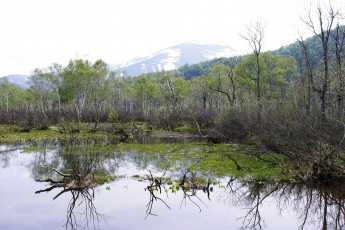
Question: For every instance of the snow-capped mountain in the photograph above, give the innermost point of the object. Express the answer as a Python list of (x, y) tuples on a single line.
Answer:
[(174, 57), (22, 80)]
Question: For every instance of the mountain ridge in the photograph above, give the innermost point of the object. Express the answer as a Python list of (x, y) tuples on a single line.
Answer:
[(173, 57)]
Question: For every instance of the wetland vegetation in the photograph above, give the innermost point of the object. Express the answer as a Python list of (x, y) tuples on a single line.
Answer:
[(101, 186), (222, 141)]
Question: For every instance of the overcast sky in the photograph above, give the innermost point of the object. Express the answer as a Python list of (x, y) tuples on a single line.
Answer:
[(36, 33)]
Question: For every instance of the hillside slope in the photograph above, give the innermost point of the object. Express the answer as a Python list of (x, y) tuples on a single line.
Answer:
[(174, 57)]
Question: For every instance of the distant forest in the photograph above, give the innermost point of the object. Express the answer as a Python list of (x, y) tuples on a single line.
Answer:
[(292, 75)]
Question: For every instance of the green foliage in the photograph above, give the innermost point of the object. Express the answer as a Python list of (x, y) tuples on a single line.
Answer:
[(112, 116), (11, 95), (206, 159), (204, 68), (313, 43), (276, 71)]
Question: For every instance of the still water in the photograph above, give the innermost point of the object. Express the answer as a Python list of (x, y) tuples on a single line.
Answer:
[(126, 203)]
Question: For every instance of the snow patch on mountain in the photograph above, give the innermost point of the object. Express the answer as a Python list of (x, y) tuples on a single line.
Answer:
[(174, 57)]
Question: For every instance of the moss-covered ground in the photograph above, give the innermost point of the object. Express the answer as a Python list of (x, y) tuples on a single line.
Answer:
[(209, 160)]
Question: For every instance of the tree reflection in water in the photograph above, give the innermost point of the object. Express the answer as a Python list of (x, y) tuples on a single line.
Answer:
[(44, 160), (318, 206), (157, 184), (321, 206), (191, 195), (81, 211), (80, 167)]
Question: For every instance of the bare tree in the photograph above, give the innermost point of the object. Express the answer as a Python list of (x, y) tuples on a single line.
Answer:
[(168, 82), (321, 25), (309, 70), (254, 36), (229, 71), (339, 46)]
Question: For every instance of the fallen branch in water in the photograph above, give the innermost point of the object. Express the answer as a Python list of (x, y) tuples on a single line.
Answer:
[(50, 180), (48, 189), (61, 174), (239, 167), (9, 150)]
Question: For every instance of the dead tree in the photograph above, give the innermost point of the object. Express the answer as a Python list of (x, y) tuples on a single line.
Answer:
[(321, 26), (339, 46), (309, 69), (254, 36)]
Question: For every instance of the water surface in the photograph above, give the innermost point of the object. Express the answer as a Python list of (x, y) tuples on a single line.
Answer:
[(126, 203)]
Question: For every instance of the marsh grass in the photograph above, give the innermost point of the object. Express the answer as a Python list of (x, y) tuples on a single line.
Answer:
[(214, 160)]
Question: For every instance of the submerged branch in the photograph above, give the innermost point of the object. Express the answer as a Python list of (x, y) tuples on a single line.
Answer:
[(61, 174), (48, 189), (50, 180), (9, 150), (239, 167)]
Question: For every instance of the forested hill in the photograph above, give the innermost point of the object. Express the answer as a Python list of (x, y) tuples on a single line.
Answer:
[(312, 43), (204, 68)]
